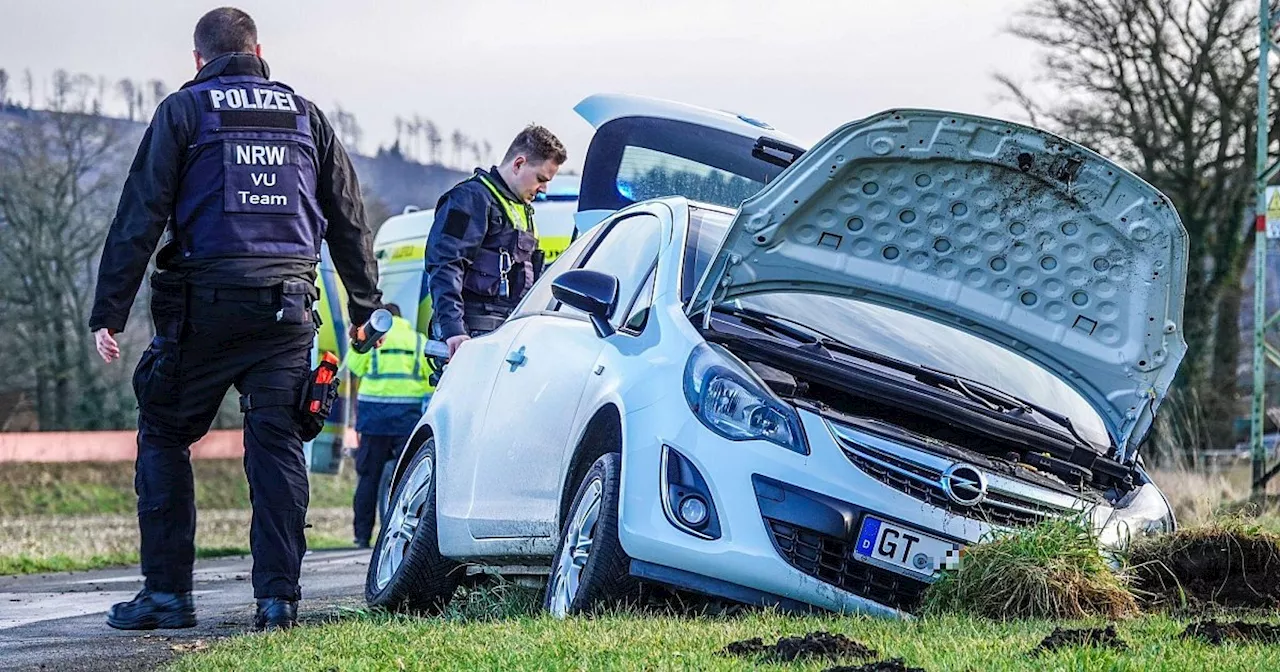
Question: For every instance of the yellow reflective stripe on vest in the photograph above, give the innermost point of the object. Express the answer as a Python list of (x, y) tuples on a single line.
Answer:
[(518, 213)]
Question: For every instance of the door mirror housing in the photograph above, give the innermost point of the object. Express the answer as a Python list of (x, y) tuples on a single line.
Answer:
[(592, 292)]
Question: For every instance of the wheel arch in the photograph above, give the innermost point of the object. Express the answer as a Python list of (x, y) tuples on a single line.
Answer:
[(416, 441), (603, 434)]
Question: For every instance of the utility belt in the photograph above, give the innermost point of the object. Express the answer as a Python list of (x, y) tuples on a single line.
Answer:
[(480, 317), (293, 299)]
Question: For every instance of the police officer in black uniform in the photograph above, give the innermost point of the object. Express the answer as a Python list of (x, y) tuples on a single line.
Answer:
[(247, 179), (482, 252)]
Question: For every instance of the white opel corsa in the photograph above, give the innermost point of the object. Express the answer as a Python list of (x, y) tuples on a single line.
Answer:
[(925, 328)]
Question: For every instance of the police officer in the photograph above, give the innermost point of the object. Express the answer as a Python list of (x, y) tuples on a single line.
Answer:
[(394, 388), (247, 179), (482, 252)]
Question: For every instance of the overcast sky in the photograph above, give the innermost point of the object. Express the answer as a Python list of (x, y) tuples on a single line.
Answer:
[(804, 66)]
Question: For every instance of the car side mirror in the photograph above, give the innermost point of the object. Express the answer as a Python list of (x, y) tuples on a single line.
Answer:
[(592, 292)]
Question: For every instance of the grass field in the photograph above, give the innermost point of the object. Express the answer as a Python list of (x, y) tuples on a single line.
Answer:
[(503, 629), (521, 640), (59, 517)]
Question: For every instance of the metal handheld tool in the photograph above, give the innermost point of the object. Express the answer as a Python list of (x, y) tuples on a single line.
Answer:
[(369, 333), (372, 331)]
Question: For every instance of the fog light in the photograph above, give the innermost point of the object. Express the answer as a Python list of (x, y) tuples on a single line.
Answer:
[(693, 511)]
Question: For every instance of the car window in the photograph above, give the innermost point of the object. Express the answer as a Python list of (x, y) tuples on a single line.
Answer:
[(706, 229), (539, 298), (648, 173), (626, 251)]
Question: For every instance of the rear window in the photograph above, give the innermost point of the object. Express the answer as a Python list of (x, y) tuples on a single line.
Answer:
[(648, 173), (634, 158)]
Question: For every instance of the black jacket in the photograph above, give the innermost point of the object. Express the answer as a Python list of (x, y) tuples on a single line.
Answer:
[(468, 221), (147, 206)]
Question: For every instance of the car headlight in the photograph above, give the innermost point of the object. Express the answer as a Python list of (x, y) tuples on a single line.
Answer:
[(1143, 512), (734, 403)]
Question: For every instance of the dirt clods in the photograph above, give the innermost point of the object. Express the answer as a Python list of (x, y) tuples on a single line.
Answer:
[(1218, 634), (1103, 638), (1219, 565), (824, 645), (891, 665)]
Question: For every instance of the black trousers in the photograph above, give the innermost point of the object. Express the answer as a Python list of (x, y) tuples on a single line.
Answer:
[(207, 342), (372, 456)]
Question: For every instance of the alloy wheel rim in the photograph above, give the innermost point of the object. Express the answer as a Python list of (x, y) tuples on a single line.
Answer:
[(403, 518), (576, 550)]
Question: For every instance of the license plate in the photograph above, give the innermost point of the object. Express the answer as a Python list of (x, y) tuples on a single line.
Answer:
[(904, 549)]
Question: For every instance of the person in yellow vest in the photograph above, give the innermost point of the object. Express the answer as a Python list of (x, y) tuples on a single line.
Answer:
[(394, 387), (482, 252)]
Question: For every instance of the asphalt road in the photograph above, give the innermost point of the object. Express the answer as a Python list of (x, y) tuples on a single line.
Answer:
[(57, 621)]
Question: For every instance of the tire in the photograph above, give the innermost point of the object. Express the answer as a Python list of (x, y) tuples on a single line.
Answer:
[(384, 485), (410, 574), (583, 582)]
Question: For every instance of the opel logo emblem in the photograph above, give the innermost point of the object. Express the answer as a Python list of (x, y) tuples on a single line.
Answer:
[(964, 484)]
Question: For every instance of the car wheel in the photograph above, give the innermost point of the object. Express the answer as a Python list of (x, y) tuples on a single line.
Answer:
[(406, 570), (590, 569)]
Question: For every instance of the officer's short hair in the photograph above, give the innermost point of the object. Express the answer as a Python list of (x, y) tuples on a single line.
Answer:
[(537, 144), (225, 30)]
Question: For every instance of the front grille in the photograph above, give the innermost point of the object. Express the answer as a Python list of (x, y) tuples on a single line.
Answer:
[(831, 560), (925, 484)]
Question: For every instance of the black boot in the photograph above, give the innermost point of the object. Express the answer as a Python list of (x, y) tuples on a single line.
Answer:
[(276, 613), (151, 610)]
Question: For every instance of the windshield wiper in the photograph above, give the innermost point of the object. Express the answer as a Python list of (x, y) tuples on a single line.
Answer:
[(992, 398), (1001, 401)]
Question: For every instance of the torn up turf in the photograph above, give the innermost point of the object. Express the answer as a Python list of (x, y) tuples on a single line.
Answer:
[(813, 645), (891, 665), (1062, 638), (1226, 564), (1218, 634)]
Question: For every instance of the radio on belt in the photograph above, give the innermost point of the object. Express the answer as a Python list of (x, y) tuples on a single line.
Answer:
[(369, 333)]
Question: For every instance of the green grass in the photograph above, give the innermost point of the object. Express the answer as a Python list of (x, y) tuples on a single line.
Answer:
[(519, 640), (77, 516), (34, 544), (1052, 570), (80, 488)]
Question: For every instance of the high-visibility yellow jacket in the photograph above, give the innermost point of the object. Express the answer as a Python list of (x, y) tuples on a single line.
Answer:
[(396, 372)]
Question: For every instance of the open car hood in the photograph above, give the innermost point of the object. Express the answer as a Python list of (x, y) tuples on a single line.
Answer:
[(1004, 231)]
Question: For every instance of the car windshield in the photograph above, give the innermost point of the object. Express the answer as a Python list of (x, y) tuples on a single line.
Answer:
[(899, 335)]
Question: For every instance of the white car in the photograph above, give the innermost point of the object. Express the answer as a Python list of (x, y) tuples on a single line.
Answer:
[(928, 327)]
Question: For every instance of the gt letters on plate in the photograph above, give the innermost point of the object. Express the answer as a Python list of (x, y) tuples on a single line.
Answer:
[(904, 549)]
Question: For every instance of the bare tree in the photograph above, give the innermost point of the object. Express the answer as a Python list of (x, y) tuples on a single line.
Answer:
[(420, 136), (433, 141), (59, 171), (129, 92), (488, 151), (29, 83), (475, 152), (347, 128), (459, 143), (1169, 88), (399, 129), (415, 137), (4, 88), (158, 92)]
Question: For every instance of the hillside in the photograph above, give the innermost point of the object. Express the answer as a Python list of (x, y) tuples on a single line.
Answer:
[(387, 176)]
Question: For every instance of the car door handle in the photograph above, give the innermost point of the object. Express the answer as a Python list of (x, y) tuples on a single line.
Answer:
[(517, 359)]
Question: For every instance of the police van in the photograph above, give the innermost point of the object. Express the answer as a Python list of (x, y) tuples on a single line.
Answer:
[(399, 248)]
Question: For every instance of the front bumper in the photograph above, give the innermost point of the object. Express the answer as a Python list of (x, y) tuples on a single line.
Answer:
[(788, 522)]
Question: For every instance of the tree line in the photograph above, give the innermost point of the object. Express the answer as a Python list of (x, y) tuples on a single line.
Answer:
[(417, 138)]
